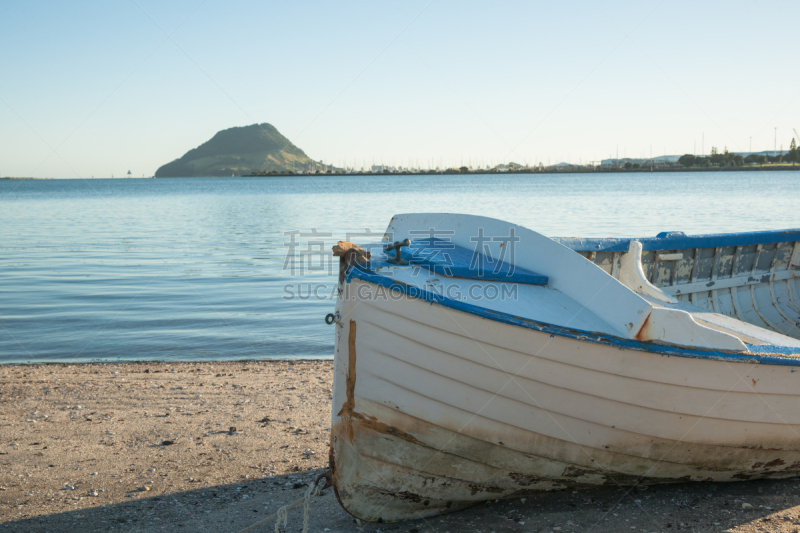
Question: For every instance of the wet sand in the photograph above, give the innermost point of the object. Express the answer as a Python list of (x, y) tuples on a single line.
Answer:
[(185, 447)]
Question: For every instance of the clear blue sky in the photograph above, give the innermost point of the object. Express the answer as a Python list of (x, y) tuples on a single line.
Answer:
[(402, 82)]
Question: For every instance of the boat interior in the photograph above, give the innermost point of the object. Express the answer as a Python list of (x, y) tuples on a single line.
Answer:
[(727, 279)]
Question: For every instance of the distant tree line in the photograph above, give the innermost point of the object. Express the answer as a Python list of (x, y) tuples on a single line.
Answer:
[(726, 158)]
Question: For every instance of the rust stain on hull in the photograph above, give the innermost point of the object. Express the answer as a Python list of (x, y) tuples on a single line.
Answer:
[(524, 480), (350, 403), (348, 412), (644, 332), (771, 464), (375, 425), (488, 489)]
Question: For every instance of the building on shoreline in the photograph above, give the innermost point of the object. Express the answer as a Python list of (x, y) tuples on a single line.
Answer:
[(655, 162)]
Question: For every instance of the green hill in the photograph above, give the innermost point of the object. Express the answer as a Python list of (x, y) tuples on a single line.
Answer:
[(239, 151)]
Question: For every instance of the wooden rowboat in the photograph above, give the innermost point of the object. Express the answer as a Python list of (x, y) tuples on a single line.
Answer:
[(481, 360)]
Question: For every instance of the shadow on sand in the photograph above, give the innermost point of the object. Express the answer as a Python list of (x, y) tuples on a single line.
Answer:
[(217, 508), (698, 507)]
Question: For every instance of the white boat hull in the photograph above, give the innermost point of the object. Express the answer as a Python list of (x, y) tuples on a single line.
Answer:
[(437, 409)]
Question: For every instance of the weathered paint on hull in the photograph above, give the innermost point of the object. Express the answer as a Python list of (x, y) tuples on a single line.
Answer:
[(436, 410)]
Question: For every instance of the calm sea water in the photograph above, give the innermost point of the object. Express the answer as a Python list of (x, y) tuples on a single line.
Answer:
[(196, 268)]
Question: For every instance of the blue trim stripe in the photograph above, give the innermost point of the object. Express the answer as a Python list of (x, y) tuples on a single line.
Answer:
[(770, 355), (448, 259), (772, 349), (677, 240)]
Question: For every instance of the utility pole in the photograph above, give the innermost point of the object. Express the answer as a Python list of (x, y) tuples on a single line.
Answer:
[(775, 147)]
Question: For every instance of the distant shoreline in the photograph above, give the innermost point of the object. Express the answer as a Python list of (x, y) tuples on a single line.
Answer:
[(770, 168), (766, 168)]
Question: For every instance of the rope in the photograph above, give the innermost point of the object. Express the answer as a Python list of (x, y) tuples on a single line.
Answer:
[(283, 512), (313, 490)]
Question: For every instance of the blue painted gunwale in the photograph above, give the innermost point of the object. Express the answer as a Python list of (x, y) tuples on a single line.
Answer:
[(356, 272), (677, 240), (431, 254)]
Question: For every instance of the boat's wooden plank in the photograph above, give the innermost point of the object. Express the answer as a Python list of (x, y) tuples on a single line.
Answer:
[(756, 258), (605, 260), (732, 293), (762, 303), (702, 299), (479, 444), (541, 376), (653, 277), (716, 263), (674, 270), (684, 268), (745, 307), (511, 456), (725, 283), (537, 405), (783, 256), (499, 336), (775, 257), (714, 305), (794, 302), (664, 268), (791, 321), (795, 260), (727, 262), (706, 263), (783, 303), (724, 301), (518, 454), (695, 266), (737, 259)]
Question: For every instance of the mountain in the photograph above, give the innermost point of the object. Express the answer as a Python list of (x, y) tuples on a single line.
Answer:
[(239, 151)]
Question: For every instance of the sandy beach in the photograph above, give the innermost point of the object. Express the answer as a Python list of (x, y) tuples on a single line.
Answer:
[(188, 447)]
